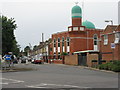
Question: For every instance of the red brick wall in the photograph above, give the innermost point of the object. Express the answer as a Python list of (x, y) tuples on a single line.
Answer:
[(107, 52), (76, 21), (91, 57), (58, 62), (71, 60), (78, 40)]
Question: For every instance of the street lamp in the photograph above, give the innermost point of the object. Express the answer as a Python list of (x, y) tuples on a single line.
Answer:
[(109, 21)]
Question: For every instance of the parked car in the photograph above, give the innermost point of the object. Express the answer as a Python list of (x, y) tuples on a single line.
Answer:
[(23, 59), (32, 61), (37, 61)]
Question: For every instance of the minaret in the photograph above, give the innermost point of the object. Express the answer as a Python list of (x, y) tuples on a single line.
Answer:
[(76, 15)]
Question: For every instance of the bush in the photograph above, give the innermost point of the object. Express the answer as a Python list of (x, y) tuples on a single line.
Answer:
[(64, 53), (116, 62), (114, 66)]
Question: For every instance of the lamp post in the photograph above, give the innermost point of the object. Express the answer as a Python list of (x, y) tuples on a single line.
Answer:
[(109, 21)]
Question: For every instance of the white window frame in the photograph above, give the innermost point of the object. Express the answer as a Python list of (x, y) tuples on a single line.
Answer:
[(105, 39), (70, 29), (117, 37), (75, 28), (82, 28)]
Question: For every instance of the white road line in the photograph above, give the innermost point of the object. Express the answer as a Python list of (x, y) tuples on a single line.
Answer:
[(11, 81), (3, 83), (36, 87), (42, 85)]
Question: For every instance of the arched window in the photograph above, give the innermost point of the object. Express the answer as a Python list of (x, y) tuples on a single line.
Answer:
[(95, 39), (58, 42)]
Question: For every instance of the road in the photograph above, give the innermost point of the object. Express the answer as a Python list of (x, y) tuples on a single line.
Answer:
[(59, 76)]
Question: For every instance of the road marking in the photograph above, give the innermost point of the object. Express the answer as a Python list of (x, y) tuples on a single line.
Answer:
[(36, 87), (44, 85), (3, 83), (7, 81)]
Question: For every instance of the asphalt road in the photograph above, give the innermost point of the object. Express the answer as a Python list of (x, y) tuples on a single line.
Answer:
[(58, 76)]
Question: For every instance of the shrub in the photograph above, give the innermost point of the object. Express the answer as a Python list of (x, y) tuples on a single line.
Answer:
[(102, 66), (114, 66), (116, 62), (64, 53)]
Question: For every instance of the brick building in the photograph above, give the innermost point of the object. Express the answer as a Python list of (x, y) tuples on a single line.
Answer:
[(110, 43), (79, 37)]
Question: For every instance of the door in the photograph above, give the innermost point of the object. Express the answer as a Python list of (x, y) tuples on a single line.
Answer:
[(82, 59)]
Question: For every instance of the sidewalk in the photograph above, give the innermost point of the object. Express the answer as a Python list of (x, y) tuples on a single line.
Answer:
[(95, 69), (16, 68)]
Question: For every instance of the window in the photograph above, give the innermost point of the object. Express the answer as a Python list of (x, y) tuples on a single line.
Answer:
[(50, 49), (68, 41), (63, 41), (82, 28), (58, 42), (54, 42), (105, 39), (58, 55), (70, 29), (95, 39), (117, 37), (62, 44), (75, 28)]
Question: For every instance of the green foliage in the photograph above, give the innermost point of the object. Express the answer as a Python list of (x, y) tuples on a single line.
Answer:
[(26, 50), (9, 43), (64, 53), (35, 47), (114, 66)]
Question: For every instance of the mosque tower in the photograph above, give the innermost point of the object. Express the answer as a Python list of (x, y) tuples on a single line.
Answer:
[(76, 15)]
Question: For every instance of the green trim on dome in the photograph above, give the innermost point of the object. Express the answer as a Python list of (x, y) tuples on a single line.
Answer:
[(76, 12), (88, 24)]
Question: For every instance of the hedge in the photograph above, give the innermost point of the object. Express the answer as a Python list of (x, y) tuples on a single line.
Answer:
[(113, 66)]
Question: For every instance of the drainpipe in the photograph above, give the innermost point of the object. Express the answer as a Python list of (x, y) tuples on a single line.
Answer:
[(87, 41)]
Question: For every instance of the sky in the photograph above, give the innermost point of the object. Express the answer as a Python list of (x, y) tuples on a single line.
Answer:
[(34, 17)]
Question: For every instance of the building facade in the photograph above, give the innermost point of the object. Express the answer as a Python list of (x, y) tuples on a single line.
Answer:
[(110, 43), (79, 37)]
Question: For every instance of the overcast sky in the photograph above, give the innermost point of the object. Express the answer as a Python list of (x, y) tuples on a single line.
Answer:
[(35, 17)]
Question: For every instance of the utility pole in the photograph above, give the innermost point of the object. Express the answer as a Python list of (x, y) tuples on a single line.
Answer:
[(42, 37), (42, 44)]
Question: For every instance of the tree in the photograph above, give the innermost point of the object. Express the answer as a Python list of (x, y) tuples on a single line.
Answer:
[(35, 47), (26, 50), (9, 43)]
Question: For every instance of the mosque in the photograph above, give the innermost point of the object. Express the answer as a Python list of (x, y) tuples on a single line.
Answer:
[(80, 36), (82, 42)]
